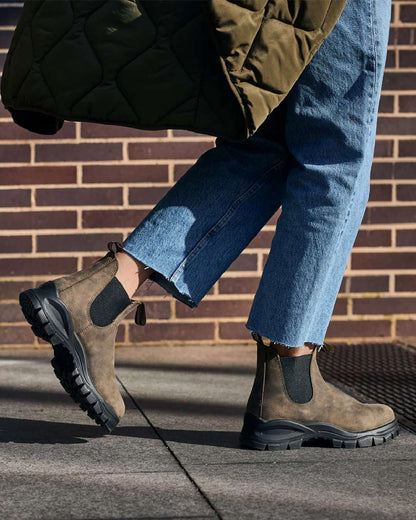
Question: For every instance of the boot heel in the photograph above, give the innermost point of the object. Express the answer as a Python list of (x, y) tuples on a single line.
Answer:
[(271, 435), (47, 315)]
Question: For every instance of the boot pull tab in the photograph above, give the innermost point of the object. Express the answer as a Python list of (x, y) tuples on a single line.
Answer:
[(140, 316), (115, 247), (257, 338), (326, 347)]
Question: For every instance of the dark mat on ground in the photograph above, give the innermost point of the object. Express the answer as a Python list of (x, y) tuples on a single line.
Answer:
[(379, 372)]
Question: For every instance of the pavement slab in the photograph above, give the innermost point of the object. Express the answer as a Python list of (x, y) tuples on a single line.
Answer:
[(196, 400), (175, 454), (57, 463)]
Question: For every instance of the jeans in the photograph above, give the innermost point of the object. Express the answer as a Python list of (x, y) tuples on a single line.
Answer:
[(312, 158)]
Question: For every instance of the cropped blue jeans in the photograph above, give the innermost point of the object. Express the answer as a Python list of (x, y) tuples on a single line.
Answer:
[(312, 158)]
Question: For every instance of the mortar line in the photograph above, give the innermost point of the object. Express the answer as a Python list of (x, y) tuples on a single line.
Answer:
[(172, 453)]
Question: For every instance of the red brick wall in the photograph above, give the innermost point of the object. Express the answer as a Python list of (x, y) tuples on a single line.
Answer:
[(63, 197)]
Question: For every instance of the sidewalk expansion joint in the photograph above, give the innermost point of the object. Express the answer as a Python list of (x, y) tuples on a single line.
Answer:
[(172, 453)]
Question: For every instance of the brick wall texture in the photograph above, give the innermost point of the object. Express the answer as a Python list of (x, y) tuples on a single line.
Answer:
[(63, 197)]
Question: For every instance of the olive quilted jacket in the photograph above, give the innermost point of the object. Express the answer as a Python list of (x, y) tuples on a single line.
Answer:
[(217, 67)]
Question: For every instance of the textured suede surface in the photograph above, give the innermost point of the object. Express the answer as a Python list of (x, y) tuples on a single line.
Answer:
[(269, 399), (214, 66), (78, 291)]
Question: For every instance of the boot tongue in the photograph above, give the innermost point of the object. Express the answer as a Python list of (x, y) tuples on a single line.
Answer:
[(140, 316)]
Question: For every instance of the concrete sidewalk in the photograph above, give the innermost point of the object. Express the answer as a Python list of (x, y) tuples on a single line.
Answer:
[(175, 453)]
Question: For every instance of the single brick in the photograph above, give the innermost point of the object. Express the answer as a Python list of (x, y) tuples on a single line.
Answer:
[(392, 170), (386, 104), (406, 327), (407, 148), (124, 218), (245, 262), (77, 242), (14, 153), (406, 237), (16, 335), (399, 81), (373, 238), (158, 310), (13, 198), (213, 308), (340, 307), (235, 331), (78, 152), (389, 214), (38, 174), (407, 104), (406, 192), (78, 196), (369, 284), (405, 282), (37, 266), (239, 285), (11, 290), (384, 148), (11, 312), (390, 260), (163, 331), (408, 13), (384, 305), (38, 220), (15, 244), (379, 192), (396, 125), (352, 328), (124, 173), (407, 59)]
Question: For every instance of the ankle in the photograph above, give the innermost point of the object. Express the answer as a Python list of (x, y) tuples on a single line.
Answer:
[(284, 351), (131, 273)]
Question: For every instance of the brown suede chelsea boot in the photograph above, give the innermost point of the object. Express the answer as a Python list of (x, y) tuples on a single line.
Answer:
[(79, 315), (280, 415)]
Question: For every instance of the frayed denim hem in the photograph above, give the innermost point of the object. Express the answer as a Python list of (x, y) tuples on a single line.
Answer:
[(171, 288), (263, 335)]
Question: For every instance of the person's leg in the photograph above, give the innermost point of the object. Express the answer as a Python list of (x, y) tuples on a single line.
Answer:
[(210, 215), (330, 132), (187, 241)]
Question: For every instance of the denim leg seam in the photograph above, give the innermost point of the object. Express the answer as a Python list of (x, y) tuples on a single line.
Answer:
[(370, 111), (222, 221)]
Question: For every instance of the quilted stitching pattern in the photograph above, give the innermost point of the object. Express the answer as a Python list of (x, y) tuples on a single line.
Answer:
[(213, 66)]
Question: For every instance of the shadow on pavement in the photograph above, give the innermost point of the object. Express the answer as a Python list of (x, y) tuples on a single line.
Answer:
[(28, 431)]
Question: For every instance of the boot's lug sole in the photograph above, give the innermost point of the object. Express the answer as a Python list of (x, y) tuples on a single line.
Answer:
[(282, 434), (51, 320)]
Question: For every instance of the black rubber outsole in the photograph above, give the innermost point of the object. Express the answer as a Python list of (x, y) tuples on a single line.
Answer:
[(288, 435), (50, 320)]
